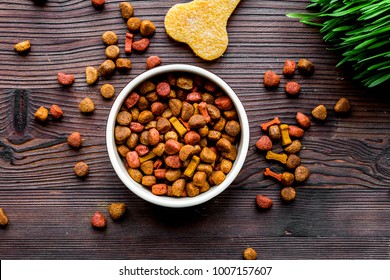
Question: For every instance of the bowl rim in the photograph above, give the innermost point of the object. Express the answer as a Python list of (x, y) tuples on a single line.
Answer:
[(140, 190)]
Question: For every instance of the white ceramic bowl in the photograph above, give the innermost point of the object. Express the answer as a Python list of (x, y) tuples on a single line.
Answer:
[(118, 163)]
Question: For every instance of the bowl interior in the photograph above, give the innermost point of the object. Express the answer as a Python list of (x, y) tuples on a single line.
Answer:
[(143, 192)]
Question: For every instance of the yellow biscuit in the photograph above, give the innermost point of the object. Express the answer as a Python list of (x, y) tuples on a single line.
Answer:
[(202, 25)]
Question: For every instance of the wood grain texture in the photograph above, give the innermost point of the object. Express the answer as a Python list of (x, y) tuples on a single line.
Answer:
[(341, 212)]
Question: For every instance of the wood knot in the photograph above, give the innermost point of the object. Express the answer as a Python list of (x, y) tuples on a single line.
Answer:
[(383, 162)]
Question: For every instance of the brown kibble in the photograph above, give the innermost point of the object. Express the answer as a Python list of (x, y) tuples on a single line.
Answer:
[(3, 218), (288, 194), (112, 52), (126, 10), (199, 178), (133, 24), (249, 254), (319, 112), (196, 122), (274, 132), (263, 202), (303, 120), (232, 128), (23, 47), (305, 67), (292, 88), (287, 179), (217, 177), (293, 161), (87, 105), (271, 79), (109, 38), (147, 28), (117, 210), (81, 169), (124, 118), (107, 68), (192, 190), (56, 111), (123, 64), (65, 79), (141, 45), (91, 75), (342, 106), (153, 61), (301, 174), (121, 133), (74, 140), (135, 174), (294, 147), (264, 143), (289, 68), (41, 114), (107, 91), (98, 221)]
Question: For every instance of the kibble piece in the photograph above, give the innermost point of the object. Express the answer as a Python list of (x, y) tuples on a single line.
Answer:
[(301, 174), (56, 111), (141, 45), (112, 52), (121, 133), (107, 68), (3, 218), (133, 24), (65, 79), (271, 79), (232, 128), (153, 61), (305, 67), (319, 112), (294, 147), (117, 210), (287, 179), (274, 132), (288, 194), (126, 10), (91, 75), (249, 254), (217, 177), (23, 47), (135, 174), (74, 140), (303, 120), (147, 28), (289, 67), (293, 161), (263, 202), (185, 82), (107, 91), (98, 221), (292, 88), (81, 169), (123, 64), (342, 106), (87, 105), (109, 38), (264, 143), (295, 131), (192, 190), (41, 114)]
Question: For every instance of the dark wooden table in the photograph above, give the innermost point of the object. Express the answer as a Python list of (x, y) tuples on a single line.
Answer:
[(342, 211)]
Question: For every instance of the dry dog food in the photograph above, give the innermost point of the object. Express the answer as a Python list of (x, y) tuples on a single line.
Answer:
[(126, 10), (342, 106), (112, 52), (263, 202), (65, 79), (249, 254), (3, 218), (153, 61), (147, 28), (168, 144), (292, 88), (134, 24), (289, 68), (56, 111), (202, 25), (23, 47), (271, 79), (74, 140), (41, 114), (117, 210), (319, 112), (107, 91), (98, 221), (87, 105), (81, 169), (305, 67), (91, 75), (109, 38)]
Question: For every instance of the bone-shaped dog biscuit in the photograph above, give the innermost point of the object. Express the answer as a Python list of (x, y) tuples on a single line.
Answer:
[(202, 25)]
